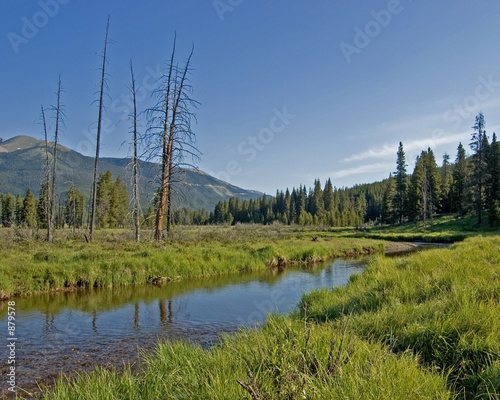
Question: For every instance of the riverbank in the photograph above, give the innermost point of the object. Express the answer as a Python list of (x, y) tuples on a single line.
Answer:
[(426, 326), (441, 229), (32, 266)]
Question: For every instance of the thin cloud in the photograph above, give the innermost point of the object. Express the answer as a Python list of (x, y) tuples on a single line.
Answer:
[(362, 169), (419, 144)]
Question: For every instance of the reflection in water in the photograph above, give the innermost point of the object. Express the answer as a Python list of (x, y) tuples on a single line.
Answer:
[(136, 316), (75, 331)]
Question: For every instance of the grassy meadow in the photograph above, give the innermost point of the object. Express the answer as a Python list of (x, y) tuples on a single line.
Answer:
[(113, 258), (424, 326)]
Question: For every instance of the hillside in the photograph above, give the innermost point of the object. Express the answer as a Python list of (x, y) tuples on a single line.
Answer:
[(22, 161)]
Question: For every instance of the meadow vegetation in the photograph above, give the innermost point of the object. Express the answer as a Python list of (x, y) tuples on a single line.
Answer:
[(424, 326), (113, 258)]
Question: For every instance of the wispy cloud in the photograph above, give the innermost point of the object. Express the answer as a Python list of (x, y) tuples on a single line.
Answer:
[(389, 150), (362, 169)]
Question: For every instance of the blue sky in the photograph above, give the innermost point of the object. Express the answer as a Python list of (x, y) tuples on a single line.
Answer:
[(290, 90)]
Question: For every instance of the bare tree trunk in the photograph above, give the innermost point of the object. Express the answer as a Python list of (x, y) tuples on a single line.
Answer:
[(135, 166), (99, 121), (170, 147), (164, 159), (57, 110), (174, 128), (47, 199), (169, 204)]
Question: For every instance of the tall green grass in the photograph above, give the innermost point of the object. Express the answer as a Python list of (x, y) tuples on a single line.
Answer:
[(113, 258), (286, 359), (444, 305)]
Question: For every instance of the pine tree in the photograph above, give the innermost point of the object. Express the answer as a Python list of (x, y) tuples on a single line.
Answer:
[(119, 203), (479, 144), (42, 206), (150, 217), (446, 184), (388, 215), (401, 197), (8, 210), (74, 208), (317, 205), (105, 188), (460, 194), (417, 196), (293, 206), (288, 202), (434, 179), (29, 209), (328, 197), (19, 210)]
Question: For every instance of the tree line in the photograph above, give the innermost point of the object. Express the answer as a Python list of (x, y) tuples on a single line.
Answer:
[(469, 185), (112, 207)]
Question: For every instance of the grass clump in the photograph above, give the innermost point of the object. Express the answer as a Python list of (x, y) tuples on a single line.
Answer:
[(442, 304), (285, 359)]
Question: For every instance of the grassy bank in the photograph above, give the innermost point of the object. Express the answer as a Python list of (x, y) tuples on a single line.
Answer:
[(113, 258), (443, 305), (443, 229), (426, 326)]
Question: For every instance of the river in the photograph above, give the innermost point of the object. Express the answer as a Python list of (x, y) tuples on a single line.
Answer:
[(71, 332)]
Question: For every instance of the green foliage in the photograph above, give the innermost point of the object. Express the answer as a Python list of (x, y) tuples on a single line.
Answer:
[(401, 197), (446, 183), (74, 208), (8, 210), (112, 201), (388, 212), (425, 188), (460, 192), (29, 216), (43, 205)]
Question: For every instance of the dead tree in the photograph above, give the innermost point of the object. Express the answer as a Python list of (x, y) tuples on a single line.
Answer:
[(59, 114), (98, 139), (47, 197), (135, 159), (166, 130)]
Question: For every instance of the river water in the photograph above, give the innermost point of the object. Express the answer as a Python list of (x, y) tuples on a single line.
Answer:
[(72, 332)]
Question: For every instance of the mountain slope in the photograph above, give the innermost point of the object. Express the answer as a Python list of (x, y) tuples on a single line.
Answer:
[(22, 161)]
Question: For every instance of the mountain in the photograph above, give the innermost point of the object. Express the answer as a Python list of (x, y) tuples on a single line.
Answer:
[(22, 161)]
